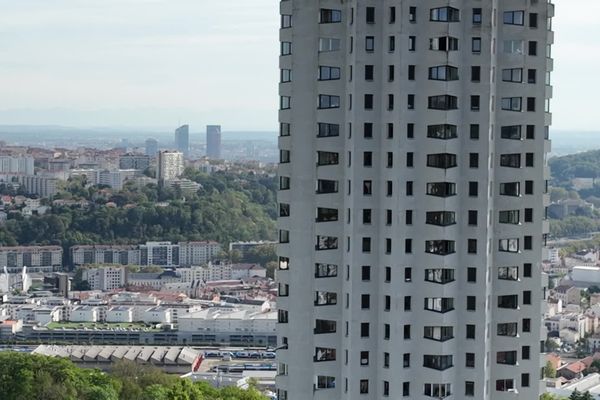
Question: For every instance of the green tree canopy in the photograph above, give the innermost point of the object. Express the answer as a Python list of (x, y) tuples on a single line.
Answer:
[(35, 377)]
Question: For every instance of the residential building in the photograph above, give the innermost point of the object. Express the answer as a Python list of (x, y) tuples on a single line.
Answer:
[(116, 179), (245, 271), (105, 254), (134, 161), (21, 165), (213, 141), (182, 139), (164, 254), (43, 186), (151, 147), (198, 252), (35, 258), (105, 278), (170, 165), (244, 248), (412, 269), (568, 294)]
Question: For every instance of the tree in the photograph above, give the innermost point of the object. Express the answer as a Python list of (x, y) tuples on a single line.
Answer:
[(581, 349), (558, 193), (549, 370), (78, 282), (34, 377), (551, 345), (593, 289)]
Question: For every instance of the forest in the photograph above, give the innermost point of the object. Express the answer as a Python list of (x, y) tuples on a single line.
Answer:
[(579, 165), (228, 207), (35, 377)]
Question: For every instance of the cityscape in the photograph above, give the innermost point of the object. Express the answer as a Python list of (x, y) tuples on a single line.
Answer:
[(372, 200)]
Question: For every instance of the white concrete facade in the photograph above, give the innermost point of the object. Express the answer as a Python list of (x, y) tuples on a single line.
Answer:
[(413, 182), (170, 165)]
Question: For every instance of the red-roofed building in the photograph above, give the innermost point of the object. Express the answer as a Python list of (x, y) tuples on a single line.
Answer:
[(572, 370)]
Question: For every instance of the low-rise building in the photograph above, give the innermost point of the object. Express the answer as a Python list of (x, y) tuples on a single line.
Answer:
[(243, 271), (119, 314), (568, 294), (105, 278), (157, 315), (84, 314)]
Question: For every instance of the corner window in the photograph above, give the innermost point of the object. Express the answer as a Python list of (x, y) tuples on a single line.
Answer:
[(286, 48), (325, 298), (514, 17), (443, 160), (437, 362), (329, 16), (509, 245), (329, 73), (444, 14), (286, 21), (326, 101), (442, 131), (512, 104), (329, 44), (443, 102), (440, 247), (443, 73), (444, 43), (511, 132), (510, 189), (439, 304), (326, 243)]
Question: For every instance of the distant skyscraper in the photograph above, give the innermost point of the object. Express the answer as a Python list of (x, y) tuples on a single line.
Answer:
[(151, 147), (182, 139), (213, 141), (412, 184), (124, 144), (170, 165)]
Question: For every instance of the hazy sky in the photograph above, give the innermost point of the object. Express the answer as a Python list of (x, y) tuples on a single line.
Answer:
[(162, 62)]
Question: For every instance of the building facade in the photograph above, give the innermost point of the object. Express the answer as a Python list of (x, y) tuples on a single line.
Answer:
[(198, 252), (105, 278), (134, 161), (170, 165), (17, 165), (43, 186), (423, 128), (35, 258), (182, 139), (213, 141), (151, 147)]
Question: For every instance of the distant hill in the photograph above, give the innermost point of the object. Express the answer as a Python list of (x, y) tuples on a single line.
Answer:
[(579, 165)]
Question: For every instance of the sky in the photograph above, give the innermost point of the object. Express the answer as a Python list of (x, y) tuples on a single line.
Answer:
[(160, 63)]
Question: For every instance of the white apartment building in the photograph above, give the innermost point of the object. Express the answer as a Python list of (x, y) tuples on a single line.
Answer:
[(105, 278), (41, 185), (105, 254), (164, 254), (198, 253), (413, 181), (35, 258), (23, 165), (170, 165), (116, 179)]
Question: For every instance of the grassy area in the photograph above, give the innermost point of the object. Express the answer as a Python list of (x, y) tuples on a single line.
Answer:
[(97, 325)]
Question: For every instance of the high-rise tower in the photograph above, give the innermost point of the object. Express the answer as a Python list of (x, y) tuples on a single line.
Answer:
[(182, 139), (151, 147), (412, 194), (170, 165), (213, 141)]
